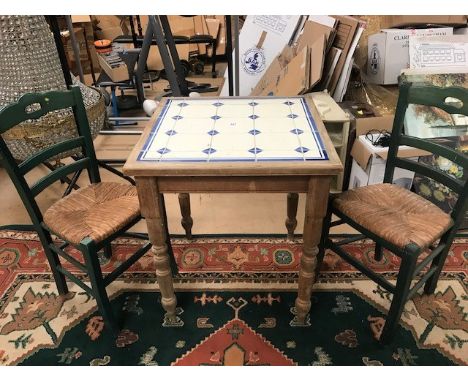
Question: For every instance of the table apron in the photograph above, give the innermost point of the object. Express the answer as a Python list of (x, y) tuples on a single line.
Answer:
[(214, 184)]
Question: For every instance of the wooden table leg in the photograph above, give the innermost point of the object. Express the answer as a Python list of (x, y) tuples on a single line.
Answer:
[(315, 210), (291, 221), (152, 210), (187, 221)]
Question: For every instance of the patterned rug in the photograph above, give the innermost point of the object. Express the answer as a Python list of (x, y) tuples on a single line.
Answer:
[(235, 307)]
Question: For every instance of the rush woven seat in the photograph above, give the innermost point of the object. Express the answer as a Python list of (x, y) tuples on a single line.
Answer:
[(395, 214), (96, 212)]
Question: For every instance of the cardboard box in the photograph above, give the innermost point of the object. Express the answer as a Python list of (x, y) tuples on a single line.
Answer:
[(369, 161), (294, 71), (438, 52), (388, 52), (117, 74), (414, 20), (261, 38), (369, 164)]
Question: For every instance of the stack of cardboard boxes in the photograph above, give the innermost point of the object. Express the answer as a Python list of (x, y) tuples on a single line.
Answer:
[(292, 55)]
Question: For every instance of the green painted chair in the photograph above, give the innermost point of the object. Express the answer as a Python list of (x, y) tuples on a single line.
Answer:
[(88, 219), (400, 221)]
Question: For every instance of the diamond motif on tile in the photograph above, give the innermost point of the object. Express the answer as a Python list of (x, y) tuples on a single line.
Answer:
[(209, 151), (177, 117), (253, 103), (292, 116), (213, 132), (255, 150), (297, 131), (215, 117), (302, 149), (218, 104), (289, 103), (171, 132), (164, 150), (253, 116), (254, 132), (182, 104)]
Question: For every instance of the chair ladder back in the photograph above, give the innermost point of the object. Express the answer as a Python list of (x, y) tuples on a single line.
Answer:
[(397, 130), (21, 111), (84, 131), (435, 97)]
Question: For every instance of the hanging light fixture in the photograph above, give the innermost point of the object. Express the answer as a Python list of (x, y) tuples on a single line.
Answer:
[(29, 63)]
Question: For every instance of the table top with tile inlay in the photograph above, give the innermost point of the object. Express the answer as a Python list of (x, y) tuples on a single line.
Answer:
[(234, 136)]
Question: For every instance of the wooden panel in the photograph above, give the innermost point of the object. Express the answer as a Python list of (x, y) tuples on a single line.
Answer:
[(233, 184)]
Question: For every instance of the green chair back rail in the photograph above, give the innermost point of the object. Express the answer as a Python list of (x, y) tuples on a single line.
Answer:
[(383, 225), (34, 106)]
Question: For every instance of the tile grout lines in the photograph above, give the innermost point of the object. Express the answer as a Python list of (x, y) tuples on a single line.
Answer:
[(217, 104), (289, 102), (254, 128), (169, 136)]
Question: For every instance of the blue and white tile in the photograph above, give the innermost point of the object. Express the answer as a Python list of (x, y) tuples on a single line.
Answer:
[(277, 154), (234, 125), (232, 155), (198, 111), (277, 142), (192, 126), (189, 142), (238, 111), (297, 108), (271, 110), (174, 156), (232, 142), (274, 125)]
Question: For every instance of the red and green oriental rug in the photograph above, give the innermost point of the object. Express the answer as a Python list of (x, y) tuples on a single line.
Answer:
[(235, 304)]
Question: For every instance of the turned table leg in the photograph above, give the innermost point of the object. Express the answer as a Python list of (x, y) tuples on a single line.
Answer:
[(315, 210), (151, 205), (187, 221), (291, 221)]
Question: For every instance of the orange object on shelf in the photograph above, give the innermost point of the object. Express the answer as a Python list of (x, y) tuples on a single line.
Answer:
[(103, 46)]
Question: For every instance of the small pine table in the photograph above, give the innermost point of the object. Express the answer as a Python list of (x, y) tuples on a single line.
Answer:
[(235, 144)]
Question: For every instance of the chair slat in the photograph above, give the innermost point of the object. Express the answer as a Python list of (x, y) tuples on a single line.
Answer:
[(49, 152), (57, 174), (436, 97), (435, 148), (16, 113), (430, 172)]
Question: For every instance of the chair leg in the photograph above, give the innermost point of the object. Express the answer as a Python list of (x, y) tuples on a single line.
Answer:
[(378, 253), (54, 262), (108, 251), (439, 261), (187, 221), (98, 287), (405, 275), (323, 240)]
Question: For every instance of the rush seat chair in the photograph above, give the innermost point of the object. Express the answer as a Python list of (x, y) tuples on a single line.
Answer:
[(398, 220), (87, 219)]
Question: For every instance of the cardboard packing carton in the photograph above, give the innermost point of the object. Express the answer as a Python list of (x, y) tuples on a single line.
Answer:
[(369, 161), (295, 70), (388, 52), (401, 21), (261, 39), (438, 52)]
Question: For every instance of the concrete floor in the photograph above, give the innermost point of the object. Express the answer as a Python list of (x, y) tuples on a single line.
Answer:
[(212, 213)]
